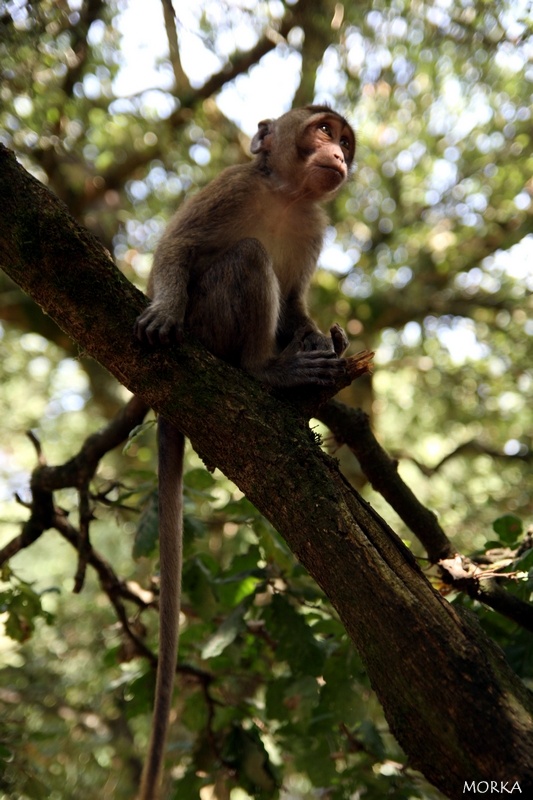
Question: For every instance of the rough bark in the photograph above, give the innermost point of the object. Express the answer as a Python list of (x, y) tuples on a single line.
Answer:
[(454, 704)]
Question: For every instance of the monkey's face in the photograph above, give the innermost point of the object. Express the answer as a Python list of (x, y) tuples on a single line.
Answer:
[(310, 150), (327, 145)]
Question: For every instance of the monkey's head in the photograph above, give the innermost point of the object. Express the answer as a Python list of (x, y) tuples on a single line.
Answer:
[(309, 151)]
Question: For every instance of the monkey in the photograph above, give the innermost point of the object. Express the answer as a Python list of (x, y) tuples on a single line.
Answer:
[(233, 269)]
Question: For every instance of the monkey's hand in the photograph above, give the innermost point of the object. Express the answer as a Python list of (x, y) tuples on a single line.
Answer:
[(158, 325), (312, 339), (293, 368), (316, 368)]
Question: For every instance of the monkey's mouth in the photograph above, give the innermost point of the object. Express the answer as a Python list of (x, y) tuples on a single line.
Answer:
[(338, 171)]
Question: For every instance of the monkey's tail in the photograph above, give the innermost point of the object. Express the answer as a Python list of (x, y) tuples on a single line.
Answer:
[(171, 446)]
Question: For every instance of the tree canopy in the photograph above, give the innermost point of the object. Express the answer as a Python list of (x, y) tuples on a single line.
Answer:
[(427, 263)]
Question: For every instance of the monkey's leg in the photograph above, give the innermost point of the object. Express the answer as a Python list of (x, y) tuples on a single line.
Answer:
[(234, 310), (234, 307)]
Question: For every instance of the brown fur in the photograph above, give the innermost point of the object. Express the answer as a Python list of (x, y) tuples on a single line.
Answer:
[(233, 269)]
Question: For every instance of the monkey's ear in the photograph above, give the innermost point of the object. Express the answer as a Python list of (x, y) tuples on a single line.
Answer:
[(261, 140)]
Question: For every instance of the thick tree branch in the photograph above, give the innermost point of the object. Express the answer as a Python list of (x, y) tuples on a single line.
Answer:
[(454, 704), (181, 81), (315, 18), (189, 98), (90, 11), (238, 64), (351, 426)]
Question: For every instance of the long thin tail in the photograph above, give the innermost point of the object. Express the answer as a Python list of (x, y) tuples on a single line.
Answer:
[(171, 443)]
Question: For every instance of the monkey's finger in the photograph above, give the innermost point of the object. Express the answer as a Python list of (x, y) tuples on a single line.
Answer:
[(311, 356), (150, 333), (140, 330), (319, 368), (156, 328), (339, 338)]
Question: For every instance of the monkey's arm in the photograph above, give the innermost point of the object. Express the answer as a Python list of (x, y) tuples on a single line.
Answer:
[(191, 241), (162, 321)]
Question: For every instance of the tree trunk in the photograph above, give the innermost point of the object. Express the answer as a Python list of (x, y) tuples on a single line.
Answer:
[(452, 701)]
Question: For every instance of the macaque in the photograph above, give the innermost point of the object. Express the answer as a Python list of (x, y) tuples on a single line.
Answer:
[(233, 269)]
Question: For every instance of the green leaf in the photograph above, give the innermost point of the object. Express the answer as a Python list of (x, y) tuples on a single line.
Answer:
[(189, 786), (300, 696), (137, 432), (227, 632), (525, 564), (139, 694), (295, 641), (200, 480), (147, 533), (193, 528), (241, 510), (5, 753), (372, 740), (246, 751), (509, 528), (241, 578), (198, 584), (23, 606)]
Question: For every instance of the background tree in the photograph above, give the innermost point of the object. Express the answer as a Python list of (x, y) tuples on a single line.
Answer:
[(429, 268)]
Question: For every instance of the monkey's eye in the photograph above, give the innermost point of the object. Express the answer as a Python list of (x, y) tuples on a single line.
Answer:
[(323, 126), (345, 143)]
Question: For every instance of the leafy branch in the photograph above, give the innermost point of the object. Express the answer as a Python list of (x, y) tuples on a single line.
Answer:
[(263, 443)]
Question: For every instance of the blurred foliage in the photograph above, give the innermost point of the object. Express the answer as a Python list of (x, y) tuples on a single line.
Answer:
[(430, 266)]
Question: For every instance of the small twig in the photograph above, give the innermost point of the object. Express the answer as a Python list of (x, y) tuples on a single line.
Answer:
[(84, 548), (111, 584), (359, 364), (80, 469), (41, 460), (472, 447), (102, 498)]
